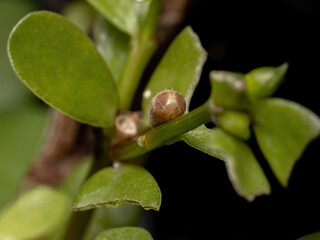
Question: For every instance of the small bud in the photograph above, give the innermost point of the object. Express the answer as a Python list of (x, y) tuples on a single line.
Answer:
[(126, 126), (165, 106)]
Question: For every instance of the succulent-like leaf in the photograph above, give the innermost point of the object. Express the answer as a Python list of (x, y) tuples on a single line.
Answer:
[(36, 213), (263, 81), (60, 65), (235, 122), (179, 69), (283, 129), (228, 89), (126, 15), (125, 233), (113, 186), (112, 44), (313, 236), (244, 171)]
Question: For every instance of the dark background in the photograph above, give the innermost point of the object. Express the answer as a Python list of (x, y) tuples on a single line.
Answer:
[(198, 199)]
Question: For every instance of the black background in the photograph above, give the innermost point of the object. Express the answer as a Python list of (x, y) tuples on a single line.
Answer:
[(198, 199)]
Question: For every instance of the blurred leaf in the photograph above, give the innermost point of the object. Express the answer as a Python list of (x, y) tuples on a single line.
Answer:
[(60, 65), (36, 213), (12, 91), (179, 69), (21, 133), (142, 1), (235, 122), (263, 81), (125, 233), (112, 44), (111, 187), (79, 13), (283, 129), (313, 236), (105, 218), (126, 15), (243, 169), (228, 89), (72, 184)]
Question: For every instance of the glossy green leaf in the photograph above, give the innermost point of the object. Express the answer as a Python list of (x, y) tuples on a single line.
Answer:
[(243, 169), (12, 92), (105, 218), (228, 89), (113, 186), (60, 65), (283, 129), (313, 236), (235, 122), (21, 134), (112, 44), (35, 214), (179, 69), (263, 81), (125, 233), (126, 15)]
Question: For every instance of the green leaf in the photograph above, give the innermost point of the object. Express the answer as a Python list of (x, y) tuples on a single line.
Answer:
[(113, 186), (179, 69), (113, 45), (283, 129), (244, 171), (36, 213), (313, 236), (126, 15), (142, 1), (125, 233), (235, 122), (21, 134), (72, 184), (60, 65), (228, 89), (105, 218), (263, 82)]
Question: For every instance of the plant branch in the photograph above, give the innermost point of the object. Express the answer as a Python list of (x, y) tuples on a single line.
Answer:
[(161, 135), (138, 58)]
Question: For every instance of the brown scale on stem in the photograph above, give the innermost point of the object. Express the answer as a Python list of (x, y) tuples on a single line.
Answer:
[(165, 106)]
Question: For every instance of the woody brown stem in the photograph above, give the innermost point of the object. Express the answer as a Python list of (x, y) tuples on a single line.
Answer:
[(66, 143)]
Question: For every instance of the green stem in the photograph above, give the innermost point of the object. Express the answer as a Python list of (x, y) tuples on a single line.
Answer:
[(138, 58), (160, 135), (78, 222)]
